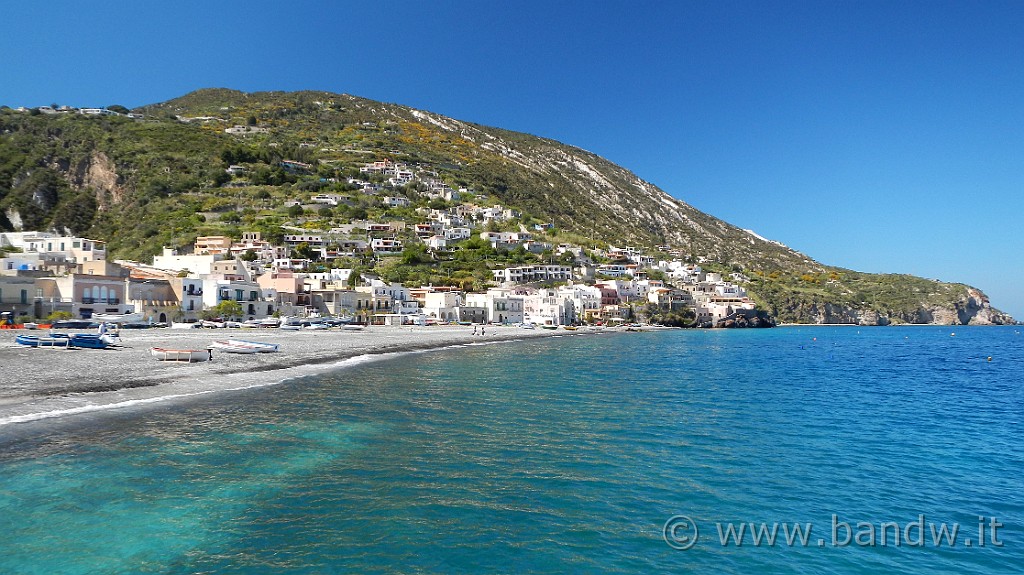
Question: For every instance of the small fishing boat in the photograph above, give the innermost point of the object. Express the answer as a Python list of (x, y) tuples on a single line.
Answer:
[(262, 346), (227, 347), (55, 340), (256, 346), (569, 327), (132, 317), (352, 327), (91, 340), (184, 325), (549, 327), (184, 355)]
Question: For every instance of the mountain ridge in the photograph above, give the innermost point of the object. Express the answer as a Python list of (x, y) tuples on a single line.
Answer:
[(173, 155)]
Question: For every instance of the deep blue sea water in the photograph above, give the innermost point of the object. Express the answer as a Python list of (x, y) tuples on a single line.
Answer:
[(559, 455)]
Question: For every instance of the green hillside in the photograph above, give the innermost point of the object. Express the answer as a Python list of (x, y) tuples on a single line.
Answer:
[(160, 180)]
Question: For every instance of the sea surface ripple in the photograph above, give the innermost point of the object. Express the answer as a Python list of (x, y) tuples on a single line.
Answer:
[(560, 455)]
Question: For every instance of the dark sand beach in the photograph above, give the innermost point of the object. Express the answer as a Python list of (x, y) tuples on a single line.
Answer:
[(38, 383)]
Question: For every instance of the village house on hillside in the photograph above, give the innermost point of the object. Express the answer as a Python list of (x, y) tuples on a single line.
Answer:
[(44, 273)]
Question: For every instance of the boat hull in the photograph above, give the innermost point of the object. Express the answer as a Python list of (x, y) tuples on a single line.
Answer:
[(261, 346), (90, 341), (181, 355), (232, 348), (36, 341)]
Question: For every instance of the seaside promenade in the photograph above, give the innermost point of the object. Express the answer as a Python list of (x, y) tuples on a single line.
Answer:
[(37, 383)]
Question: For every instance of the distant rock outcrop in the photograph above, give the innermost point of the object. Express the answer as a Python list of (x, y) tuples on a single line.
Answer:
[(972, 308)]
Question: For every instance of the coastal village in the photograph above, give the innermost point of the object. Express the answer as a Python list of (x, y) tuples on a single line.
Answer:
[(48, 274), (304, 277)]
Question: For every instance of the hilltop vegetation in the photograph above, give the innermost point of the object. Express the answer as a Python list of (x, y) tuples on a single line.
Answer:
[(160, 180)]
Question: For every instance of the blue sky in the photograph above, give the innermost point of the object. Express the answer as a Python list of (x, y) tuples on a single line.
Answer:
[(877, 136)]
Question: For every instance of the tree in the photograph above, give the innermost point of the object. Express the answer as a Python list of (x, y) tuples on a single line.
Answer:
[(304, 252), (248, 256), (119, 109), (296, 211), (228, 309), (415, 254), (231, 217), (58, 316), (76, 213)]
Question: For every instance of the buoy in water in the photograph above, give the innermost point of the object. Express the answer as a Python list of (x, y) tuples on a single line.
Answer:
[(990, 358), (952, 334)]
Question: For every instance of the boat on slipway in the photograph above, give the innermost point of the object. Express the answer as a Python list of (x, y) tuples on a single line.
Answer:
[(182, 355)]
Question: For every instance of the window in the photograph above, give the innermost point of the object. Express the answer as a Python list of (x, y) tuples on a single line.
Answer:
[(24, 296)]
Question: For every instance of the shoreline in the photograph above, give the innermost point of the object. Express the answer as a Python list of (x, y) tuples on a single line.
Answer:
[(45, 383)]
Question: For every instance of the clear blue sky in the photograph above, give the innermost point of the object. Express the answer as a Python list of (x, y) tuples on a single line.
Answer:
[(878, 136)]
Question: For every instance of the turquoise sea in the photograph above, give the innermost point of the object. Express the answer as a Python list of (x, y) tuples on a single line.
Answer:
[(558, 455)]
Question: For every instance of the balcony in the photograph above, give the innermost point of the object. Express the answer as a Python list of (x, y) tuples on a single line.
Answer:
[(108, 301)]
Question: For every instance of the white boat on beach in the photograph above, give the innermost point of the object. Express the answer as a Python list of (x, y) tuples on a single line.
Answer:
[(243, 346), (118, 317), (184, 325), (183, 355), (227, 347), (352, 327)]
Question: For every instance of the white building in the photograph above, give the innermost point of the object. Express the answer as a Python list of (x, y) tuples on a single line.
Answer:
[(396, 202), (547, 307), (386, 246), (443, 306), (195, 264), (74, 249), (500, 305), (248, 294), (527, 274), (585, 299)]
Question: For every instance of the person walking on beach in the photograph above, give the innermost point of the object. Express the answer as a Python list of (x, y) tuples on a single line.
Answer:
[(474, 329), (481, 330)]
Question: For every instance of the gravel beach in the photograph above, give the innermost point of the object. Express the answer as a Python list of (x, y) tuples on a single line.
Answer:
[(37, 383)]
